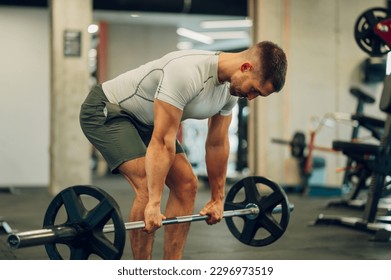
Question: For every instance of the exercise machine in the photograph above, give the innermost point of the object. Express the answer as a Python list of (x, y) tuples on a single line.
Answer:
[(373, 35)]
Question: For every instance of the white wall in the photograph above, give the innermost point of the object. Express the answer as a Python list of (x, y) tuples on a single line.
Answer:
[(24, 94)]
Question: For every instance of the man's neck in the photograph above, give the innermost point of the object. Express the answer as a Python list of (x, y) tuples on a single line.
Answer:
[(228, 64)]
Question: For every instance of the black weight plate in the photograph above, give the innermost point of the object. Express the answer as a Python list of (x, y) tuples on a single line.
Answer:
[(364, 32), (88, 209), (298, 145), (268, 226)]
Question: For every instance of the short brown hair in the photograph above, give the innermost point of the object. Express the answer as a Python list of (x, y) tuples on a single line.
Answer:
[(273, 64)]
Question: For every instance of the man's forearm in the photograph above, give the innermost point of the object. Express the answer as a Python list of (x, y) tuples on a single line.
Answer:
[(216, 162), (158, 161)]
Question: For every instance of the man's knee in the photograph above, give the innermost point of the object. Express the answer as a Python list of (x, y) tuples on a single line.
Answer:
[(186, 187), (133, 169), (134, 173), (192, 184)]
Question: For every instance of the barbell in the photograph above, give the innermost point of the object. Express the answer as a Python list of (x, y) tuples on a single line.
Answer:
[(298, 145), (84, 221)]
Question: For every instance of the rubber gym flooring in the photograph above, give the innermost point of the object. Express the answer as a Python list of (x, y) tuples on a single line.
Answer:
[(23, 209)]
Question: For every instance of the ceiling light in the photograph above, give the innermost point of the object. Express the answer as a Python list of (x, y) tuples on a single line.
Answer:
[(194, 35), (134, 15), (227, 35), (93, 28), (227, 23)]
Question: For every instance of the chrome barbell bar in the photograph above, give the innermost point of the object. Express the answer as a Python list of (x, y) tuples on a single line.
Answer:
[(66, 233)]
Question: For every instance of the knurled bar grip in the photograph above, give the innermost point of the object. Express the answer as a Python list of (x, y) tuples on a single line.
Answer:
[(253, 210), (66, 233)]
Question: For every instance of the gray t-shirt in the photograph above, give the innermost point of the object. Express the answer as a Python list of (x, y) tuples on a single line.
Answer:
[(185, 79)]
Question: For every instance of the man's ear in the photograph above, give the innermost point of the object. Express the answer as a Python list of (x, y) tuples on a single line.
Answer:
[(246, 67)]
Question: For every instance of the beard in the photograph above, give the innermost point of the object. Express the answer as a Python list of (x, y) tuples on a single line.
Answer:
[(235, 87), (235, 92), (232, 90)]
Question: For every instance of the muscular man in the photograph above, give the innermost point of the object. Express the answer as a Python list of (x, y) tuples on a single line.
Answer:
[(134, 118)]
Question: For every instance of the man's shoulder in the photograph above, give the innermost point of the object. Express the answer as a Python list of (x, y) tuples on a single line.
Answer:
[(178, 56)]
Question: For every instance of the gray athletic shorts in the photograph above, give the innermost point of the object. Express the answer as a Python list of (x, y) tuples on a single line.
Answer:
[(113, 131)]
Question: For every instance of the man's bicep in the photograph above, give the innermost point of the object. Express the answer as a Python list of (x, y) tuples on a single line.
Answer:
[(166, 119), (218, 126)]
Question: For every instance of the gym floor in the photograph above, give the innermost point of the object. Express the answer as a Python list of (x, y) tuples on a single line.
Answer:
[(23, 209)]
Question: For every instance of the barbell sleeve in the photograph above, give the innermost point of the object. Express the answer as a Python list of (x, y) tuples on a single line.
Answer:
[(281, 141), (41, 236)]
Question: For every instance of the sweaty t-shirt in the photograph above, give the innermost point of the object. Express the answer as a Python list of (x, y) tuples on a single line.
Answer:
[(185, 79)]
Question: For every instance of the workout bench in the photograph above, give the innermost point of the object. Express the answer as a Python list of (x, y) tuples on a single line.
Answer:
[(377, 159)]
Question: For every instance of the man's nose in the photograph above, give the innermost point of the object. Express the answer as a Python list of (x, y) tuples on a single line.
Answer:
[(251, 96)]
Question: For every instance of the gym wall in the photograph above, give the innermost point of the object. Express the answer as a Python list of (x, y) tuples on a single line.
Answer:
[(24, 94), (323, 64), (132, 45), (24, 80)]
